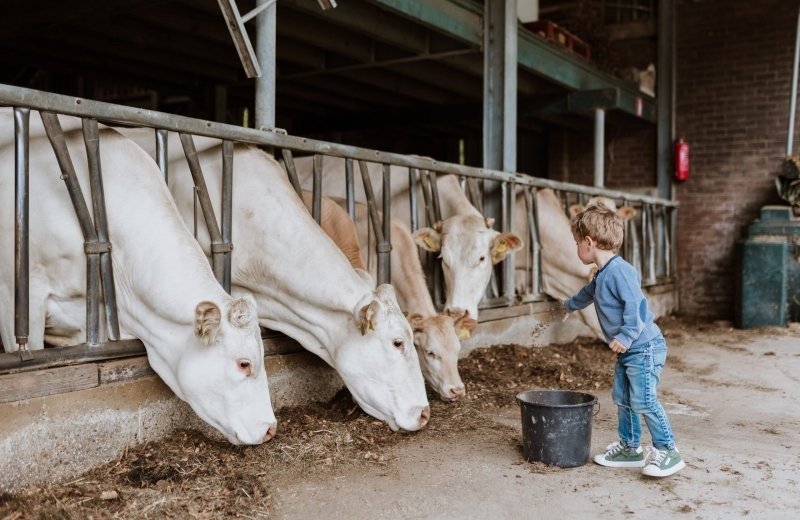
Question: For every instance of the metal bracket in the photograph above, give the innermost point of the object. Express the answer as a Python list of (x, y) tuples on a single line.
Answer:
[(96, 248), (24, 351), (221, 247)]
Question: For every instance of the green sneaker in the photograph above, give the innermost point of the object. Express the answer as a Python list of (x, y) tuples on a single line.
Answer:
[(617, 455), (663, 463)]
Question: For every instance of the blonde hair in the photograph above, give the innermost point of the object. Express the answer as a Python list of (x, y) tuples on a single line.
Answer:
[(601, 224)]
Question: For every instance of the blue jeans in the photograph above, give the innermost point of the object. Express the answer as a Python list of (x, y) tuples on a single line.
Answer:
[(635, 393)]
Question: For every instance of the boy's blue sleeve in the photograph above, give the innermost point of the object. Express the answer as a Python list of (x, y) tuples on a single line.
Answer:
[(634, 310), (581, 300)]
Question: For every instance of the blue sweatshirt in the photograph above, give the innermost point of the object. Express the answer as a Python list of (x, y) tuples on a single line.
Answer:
[(621, 306)]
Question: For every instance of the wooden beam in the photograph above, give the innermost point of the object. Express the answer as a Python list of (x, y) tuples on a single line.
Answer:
[(38, 383)]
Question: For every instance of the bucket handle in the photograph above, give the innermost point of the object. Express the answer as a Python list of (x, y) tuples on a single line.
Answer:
[(598, 409)]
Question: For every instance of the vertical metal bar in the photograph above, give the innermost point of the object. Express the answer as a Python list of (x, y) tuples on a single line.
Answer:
[(370, 194), (21, 236), (205, 205), (385, 247), (437, 207), (227, 211), (665, 90), (665, 222), (413, 200), (509, 264), (162, 153), (536, 244), (350, 188), (91, 138), (651, 259), (316, 194), (793, 99), (430, 214), (510, 28), (599, 147), (291, 171), (266, 56)]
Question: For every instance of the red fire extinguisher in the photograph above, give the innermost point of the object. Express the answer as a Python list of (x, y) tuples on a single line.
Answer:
[(681, 158)]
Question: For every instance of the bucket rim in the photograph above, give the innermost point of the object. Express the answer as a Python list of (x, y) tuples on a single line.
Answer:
[(592, 402)]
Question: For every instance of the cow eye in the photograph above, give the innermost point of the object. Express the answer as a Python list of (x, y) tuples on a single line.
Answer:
[(481, 259), (245, 365), (430, 354), (398, 344)]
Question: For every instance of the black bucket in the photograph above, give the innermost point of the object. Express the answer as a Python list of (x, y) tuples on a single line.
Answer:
[(556, 426)]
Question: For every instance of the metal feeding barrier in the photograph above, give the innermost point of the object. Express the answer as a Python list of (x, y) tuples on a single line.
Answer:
[(648, 243)]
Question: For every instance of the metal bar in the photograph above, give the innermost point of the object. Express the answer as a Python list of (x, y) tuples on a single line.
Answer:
[(437, 208), (384, 248), (252, 14), (665, 104), (430, 214), (651, 243), (227, 211), (413, 199), (240, 39), (667, 252), (91, 139), (316, 193), (509, 264), (349, 187), (599, 147), (17, 96), (217, 246), (51, 357), (291, 171), (373, 212), (162, 153), (21, 235), (793, 99), (536, 247), (266, 35)]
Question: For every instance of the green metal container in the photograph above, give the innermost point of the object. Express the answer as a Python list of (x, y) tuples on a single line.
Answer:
[(768, 288)]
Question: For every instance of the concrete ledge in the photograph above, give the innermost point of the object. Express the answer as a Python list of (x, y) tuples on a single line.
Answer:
[(54, 437)]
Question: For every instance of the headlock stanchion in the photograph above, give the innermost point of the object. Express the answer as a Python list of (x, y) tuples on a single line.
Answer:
[(21, 213)]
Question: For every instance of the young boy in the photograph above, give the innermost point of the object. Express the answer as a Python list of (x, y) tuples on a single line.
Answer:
[(630, 332)]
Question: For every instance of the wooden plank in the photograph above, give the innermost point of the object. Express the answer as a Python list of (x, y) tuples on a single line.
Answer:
[(27, 385), (124, 370)]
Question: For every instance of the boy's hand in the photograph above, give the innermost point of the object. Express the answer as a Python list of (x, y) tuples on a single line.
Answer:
[(617, 347), (566, 312)]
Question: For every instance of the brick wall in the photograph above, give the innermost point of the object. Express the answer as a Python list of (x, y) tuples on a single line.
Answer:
[(734, 67)]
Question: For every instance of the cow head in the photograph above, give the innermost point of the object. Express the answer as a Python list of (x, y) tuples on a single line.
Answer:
[(468, 247), (379, 364), (624, 212), (438, 346), (221, 372)]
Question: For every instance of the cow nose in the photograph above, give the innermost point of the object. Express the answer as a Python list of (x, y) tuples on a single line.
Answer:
[(424, 416), (270, 432), (455, 312), (456, 391)]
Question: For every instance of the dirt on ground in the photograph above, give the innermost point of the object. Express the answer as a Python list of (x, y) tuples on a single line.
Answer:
[(190, 475)]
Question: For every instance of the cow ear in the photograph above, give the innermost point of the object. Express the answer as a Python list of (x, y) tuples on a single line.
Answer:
[(366, 316), (242, 313), (415, 320), (626, 212), (464, 326), (503, 245), (428, 239), (574, 209), (489, 222), (206, 321), (386, 294), (365, 276)]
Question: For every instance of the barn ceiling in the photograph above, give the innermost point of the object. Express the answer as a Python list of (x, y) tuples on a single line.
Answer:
[(366, 66)]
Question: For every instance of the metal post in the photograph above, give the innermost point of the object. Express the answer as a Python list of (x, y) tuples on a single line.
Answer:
[(227, 211), (664, 101), (385, 246), (377, 227), (599, 147), (413, 199), (509, 194), (266, 56), (316, 193), (91, 138), (162, 155), (793, 105), (21, 211), (291, 172), (349, 188)]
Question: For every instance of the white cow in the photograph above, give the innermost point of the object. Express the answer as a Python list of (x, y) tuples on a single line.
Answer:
[(436, 336), (467, 244), (203, 343), (303, 284)]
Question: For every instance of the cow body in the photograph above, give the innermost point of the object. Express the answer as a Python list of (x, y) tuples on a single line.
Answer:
[(198, 338), (303, 285)]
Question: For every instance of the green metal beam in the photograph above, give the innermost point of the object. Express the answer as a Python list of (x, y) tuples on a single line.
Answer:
[(463, 19)]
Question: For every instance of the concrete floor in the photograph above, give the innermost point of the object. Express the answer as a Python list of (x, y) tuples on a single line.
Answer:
[(732, 399)]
